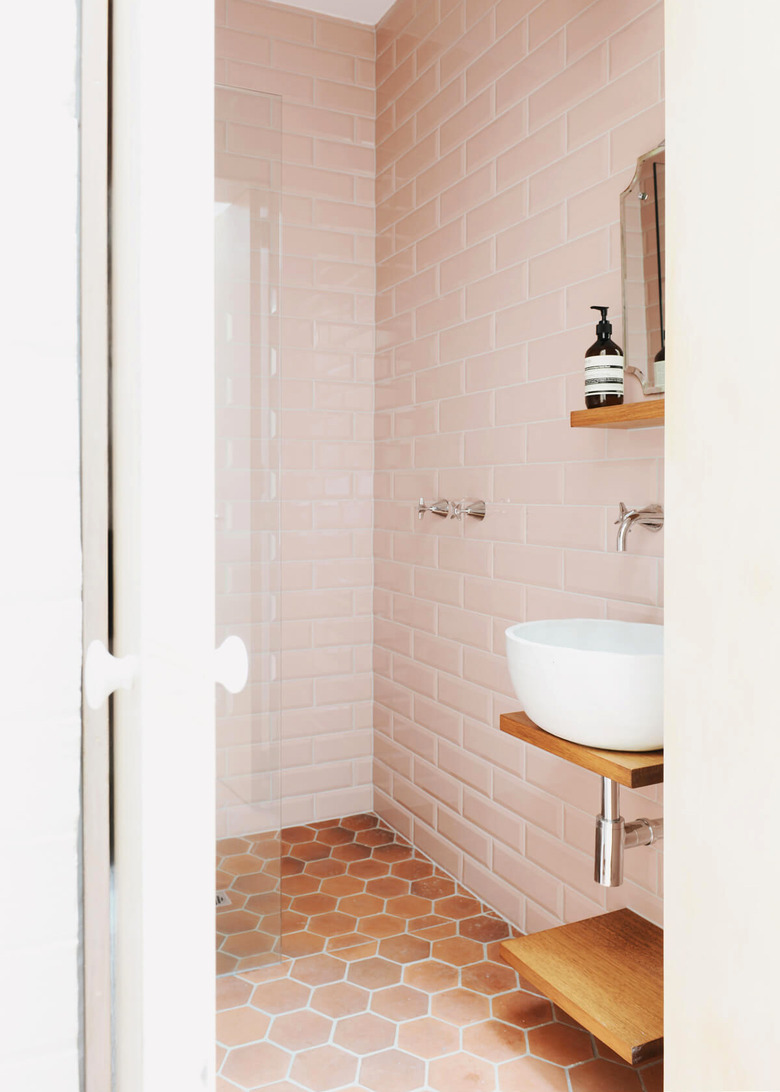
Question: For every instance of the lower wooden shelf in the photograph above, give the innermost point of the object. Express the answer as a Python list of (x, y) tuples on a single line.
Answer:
[(606, 972)]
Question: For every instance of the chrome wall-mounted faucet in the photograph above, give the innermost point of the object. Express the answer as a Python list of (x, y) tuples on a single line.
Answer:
[(475, 508), (652, 516), (438, 507), (453, 509)]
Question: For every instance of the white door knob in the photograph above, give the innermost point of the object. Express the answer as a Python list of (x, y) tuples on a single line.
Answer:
[(231, 665), (104, 673)]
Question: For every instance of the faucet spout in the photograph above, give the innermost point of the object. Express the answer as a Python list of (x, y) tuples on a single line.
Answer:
[(652, 517)]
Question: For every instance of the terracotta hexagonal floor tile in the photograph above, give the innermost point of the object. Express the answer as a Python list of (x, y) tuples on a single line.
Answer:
[(409, 906), (282, 995), (457, 950), (270, 902), (603, 1076), (434, 887), (392, 1071), (374, 973), (267, 849), (405, 948), (299, 1030), (290, 866), (359, 822), (489, 977), (400, 1003), (354, 954), (387, 887), (302, 943), (342, 885), (230, 847), (484, 928), (296, 834), (463, 1073), (232, 991), (316, 903), (292, 922), (341, 999), (460, 1006), (414, 869), (653, 1077), (428, 1038), (381, 925), (317, 970), (346, 940), (332, 924), (310, 851), (375, 837), (392, 853), (326, 868), (324, 1068), (237, 1027), (241, 945), (533, 1075), (361, 905), (224, 879), (255, 1065), (524, 1010), (335, 836), (431, 976), (255, 883), (364, 1034), (239, 921), (351, 852), (458, 906), (560, 1043), (270, 973), (368, 869), (430, 921), (494, 1041), (241, 865)]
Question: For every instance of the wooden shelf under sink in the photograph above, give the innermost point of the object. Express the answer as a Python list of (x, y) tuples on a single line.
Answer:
[(606, 972), (634, 769), (647, 414)]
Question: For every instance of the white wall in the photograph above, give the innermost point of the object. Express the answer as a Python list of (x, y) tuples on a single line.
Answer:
[(722, 548), (40, 559)]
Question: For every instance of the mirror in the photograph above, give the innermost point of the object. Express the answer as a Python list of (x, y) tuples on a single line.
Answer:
[(642, 223)]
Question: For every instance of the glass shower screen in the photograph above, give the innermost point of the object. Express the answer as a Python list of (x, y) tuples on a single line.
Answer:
[(246, 220)]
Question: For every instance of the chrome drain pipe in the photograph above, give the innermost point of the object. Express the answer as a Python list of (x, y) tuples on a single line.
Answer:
[(614, 835)]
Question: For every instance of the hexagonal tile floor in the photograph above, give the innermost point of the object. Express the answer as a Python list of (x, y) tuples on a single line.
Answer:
[(391, 979)]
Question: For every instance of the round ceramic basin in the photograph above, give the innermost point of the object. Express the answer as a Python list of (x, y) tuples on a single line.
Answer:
[(590, 681)]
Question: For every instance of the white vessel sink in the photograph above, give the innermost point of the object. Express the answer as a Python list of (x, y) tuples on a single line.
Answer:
[(590, 681)]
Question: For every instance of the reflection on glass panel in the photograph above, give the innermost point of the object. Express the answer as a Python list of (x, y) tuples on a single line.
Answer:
[(246, 208), (643, 223)]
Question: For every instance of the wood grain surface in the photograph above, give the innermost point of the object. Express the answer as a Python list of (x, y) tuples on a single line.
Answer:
[(606, 972), (647, 414), (633, 769)]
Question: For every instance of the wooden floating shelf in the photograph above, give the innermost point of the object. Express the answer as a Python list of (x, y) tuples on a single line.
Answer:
[(634, 769), (606, 972), (646, 414)]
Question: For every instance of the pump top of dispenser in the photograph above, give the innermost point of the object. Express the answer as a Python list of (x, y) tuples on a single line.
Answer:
[(604, 327)]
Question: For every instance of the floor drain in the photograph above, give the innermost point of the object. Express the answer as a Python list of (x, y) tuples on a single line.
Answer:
[(223, 899)]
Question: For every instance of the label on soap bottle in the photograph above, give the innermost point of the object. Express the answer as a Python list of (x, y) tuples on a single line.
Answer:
[(604, 374)]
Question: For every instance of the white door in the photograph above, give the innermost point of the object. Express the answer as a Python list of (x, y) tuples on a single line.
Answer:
[(163, 512)]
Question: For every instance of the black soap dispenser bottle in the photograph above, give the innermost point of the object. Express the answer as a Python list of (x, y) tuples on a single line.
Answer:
[(604, 367)]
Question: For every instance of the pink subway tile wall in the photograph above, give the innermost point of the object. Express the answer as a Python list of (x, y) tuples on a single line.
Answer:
[(506, 131), (323, 69)]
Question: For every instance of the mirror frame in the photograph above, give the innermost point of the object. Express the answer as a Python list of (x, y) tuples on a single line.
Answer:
[(648, 387)]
